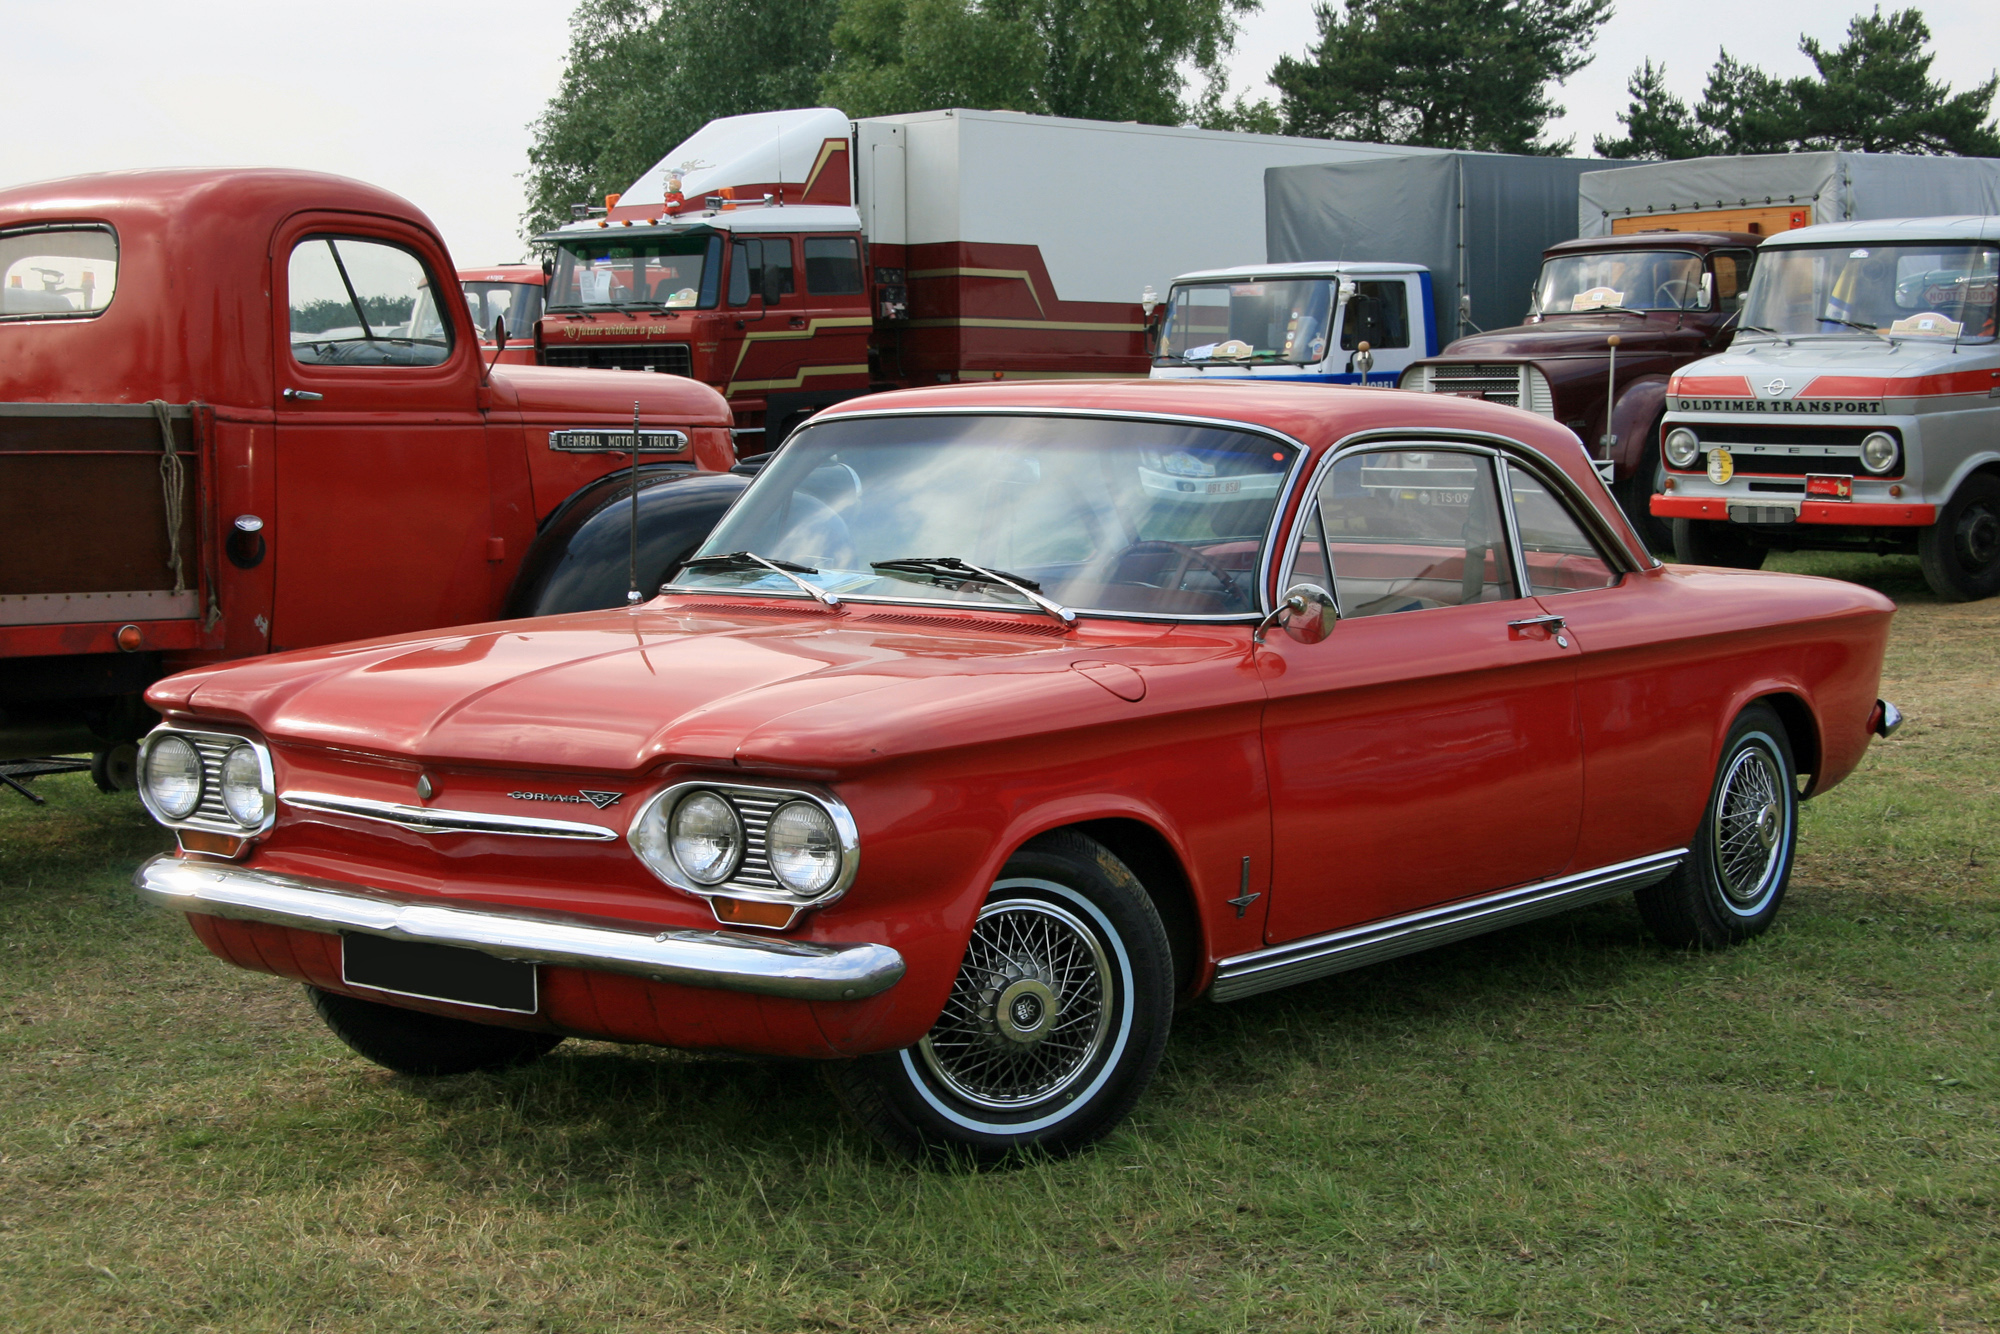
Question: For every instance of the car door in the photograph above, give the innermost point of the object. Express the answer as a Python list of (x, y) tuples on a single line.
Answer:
[(383, 491), (1428, 749)]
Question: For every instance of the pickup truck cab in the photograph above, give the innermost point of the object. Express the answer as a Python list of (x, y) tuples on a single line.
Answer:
[(1609, 321), (1858, 409), (1326, 323), (238, 415)]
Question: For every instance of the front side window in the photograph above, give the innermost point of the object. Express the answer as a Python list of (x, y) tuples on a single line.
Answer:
[(1559, 557), (363, 303), (57, 273), (1932, 290), (833, 265), (1409, 530), (1271, 321), (1637, 280), (1097, 515), (1378, 314), (635, 273), (747, 261)]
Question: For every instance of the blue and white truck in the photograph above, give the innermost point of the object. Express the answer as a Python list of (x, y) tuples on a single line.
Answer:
[(1326, 322)]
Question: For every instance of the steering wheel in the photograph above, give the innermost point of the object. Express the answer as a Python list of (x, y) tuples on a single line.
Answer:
[(1190, 557), (1673, 294)]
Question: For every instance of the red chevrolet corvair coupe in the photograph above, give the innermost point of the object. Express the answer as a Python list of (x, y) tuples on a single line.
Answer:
[(995, 720)]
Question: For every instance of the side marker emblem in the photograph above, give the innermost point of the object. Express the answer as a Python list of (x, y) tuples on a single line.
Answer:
[(1244, 898), (426, 789)]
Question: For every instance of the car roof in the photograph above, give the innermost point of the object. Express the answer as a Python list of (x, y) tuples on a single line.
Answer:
[(1660, 240), (1307, 269), (1892, 231)]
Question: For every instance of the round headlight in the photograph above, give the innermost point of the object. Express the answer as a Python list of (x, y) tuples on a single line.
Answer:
[(243, 790), (1683, 447), (1879, 451), (707, 838), (173, 777), (804, 848)]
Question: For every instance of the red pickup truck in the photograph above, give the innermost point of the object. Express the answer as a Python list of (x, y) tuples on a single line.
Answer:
[(246, 411)]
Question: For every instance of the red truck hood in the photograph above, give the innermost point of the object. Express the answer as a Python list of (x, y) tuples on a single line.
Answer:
[(623, 691)]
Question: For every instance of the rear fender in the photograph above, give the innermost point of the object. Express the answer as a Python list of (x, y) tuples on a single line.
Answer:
[(581, 560)]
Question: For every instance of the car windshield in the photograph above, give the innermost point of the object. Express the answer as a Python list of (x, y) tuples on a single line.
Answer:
[(1095, 515), (520, 304), (1614, 279), (1923, 290), (662, 272), (1269, 321)]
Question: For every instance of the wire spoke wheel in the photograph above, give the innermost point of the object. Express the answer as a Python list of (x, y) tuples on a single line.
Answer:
[(1749, 822), (1030, 1011)]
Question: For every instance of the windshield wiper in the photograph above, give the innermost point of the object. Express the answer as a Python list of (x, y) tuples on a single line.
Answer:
[(964, 572), (1856, 324), (750, 560), (1600, 310), (1758, 328)]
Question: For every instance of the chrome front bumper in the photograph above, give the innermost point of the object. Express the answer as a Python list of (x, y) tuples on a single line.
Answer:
[(724, 960)]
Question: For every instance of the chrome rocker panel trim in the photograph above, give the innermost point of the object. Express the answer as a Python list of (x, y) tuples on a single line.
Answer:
[(434, 820), (1337, 951), (723, 960)]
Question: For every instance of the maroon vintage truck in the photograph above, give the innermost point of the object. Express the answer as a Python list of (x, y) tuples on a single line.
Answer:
[(1610, 320), (244, 411)]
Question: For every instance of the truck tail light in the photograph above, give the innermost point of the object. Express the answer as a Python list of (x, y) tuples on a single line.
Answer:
[(1828, 487)]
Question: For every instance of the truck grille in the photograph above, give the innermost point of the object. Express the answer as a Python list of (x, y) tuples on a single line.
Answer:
[(1779, 451), (665, 358), (1516, 384)]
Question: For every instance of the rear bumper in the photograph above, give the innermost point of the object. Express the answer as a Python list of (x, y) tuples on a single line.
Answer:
[(722, 960), (1844, 513), (1884, 719)]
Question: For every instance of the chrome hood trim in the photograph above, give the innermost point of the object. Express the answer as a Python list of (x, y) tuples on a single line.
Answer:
[(433, 820), (722, 960)]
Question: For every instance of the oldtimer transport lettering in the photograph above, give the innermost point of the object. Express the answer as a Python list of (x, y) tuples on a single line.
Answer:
[(995, 721)]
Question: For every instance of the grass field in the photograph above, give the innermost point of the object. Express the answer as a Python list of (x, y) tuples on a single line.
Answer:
[(1560, 1127)]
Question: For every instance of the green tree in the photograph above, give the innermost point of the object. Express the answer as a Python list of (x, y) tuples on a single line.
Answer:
[(1472, 74), (1874, 93), (643, 75), (1098, 59)]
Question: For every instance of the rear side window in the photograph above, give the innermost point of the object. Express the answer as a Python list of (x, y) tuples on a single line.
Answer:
[(833, 265), (57, 273), (358, 302)]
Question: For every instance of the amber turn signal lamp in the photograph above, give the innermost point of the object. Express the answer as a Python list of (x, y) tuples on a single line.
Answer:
[(751, 912), (213, 844), (129, 638), (1896, 490), (1668, 485)]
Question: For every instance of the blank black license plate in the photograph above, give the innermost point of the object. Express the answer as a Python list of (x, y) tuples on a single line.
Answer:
[(438, 972)]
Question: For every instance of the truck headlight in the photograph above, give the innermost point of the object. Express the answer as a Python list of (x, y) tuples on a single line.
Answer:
[(247, 790), (1879, 451), (172, 777), (804, 848), (1682, 447)]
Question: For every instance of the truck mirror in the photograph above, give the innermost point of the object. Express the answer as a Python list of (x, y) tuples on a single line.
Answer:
[(1708, 291), (500, 332), (771, 289)]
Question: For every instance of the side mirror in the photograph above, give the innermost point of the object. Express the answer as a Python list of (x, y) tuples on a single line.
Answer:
[(500, 332), (771, 289), (1708, 291), (1308, 614)]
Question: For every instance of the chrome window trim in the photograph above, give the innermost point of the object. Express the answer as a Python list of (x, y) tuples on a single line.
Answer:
[(437, 820), (227, 824), (1267, 562), (732, 888), (724, 960)]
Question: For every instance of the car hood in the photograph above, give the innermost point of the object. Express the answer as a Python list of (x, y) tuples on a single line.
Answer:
[(1839, 368), (1561, 337), (623, 691)]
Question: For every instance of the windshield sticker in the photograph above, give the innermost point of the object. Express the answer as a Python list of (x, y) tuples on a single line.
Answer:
[(1929, 322), (1595, 297)]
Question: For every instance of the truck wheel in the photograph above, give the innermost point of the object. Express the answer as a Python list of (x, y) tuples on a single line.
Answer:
[(1729, 888), (1054, 1025), (1635, 496), (116, 768), (1961, 552), (412, 1042), (1713, 542)]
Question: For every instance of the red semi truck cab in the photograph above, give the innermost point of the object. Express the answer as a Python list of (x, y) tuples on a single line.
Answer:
[(236, 418), (511, 293)]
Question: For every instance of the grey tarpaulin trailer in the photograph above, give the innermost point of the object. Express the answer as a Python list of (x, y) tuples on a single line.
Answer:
[(1478, 221), (1835, 187)]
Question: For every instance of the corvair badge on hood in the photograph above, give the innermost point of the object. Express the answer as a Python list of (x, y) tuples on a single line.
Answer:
[(580, 796)]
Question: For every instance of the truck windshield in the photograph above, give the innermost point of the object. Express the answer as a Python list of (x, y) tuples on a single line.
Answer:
[(1276, 320), (520, 304), (649, 272), (1922, 290), (1631, 279), (1116, 516), (54, 273)]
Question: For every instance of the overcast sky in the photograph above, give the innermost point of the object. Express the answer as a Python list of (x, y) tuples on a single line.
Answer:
[(432, 99)]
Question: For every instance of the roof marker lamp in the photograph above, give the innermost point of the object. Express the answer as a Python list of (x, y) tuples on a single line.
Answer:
[(1879, 452), (1682, 447)]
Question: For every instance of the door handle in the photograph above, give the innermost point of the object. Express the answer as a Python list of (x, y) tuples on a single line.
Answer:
[(1553, 624), (302, 396)]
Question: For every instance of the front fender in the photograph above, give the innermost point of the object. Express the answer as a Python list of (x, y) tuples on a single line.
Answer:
[(581, 560), (1639, 407)]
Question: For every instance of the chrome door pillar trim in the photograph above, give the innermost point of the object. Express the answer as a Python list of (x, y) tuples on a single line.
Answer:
[(1353, 947), (723, 960)]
